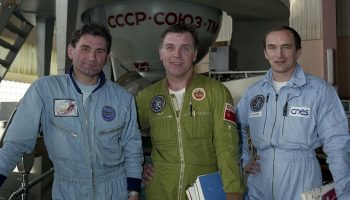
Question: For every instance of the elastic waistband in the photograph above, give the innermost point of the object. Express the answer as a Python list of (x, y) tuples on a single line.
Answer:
[(189, 166), (286, 154), (85, 175)]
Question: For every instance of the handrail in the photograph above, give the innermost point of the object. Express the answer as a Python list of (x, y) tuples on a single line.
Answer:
[(26, 188)]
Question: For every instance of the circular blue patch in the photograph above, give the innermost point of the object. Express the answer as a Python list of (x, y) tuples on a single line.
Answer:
[(257, 102), (108, 113), (157, 103)]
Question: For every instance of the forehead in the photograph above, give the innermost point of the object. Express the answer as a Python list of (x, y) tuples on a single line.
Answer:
[(91, 40), (178, 38), (280, 37)]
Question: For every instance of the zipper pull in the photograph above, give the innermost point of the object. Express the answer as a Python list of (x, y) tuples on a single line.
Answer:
[(192, 111)]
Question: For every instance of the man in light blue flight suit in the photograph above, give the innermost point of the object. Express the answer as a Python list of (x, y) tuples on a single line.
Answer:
[(89, 126), (289, 114)]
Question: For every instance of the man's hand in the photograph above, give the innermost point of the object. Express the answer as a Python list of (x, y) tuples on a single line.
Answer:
[(147, 174), (253, 167), (234, 196)]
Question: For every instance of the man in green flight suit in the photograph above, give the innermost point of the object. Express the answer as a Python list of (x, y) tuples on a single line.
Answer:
[(191, 121)]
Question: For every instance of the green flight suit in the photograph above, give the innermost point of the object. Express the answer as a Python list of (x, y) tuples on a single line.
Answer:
[(201, 138)]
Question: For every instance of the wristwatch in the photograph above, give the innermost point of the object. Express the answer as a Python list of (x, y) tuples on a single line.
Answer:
[(133, 193)]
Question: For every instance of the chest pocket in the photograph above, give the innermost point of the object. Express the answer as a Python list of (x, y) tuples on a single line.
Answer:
[(163, 128), (258, 131), (298, 129), (64, 138), (108, 143), (199, 126)]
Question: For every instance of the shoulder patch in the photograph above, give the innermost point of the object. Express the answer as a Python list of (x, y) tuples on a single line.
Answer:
[(257, 102), (198, 94), (108, 113), (229, 114), (157, 103)]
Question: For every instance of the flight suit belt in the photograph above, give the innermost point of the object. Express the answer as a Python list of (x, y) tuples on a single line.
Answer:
[(286, 154)]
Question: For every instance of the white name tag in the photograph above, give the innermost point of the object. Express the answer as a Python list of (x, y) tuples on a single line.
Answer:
[(65, 108), (255, 114), (299, 112)]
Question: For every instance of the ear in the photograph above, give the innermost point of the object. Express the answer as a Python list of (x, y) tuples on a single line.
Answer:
[(70, 50), (266, 57), (160, 53), (107, 58), (298, 53), (195, 55)]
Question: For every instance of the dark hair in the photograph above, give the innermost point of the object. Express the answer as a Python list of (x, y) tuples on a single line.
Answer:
[(297, 40), (94, 29), (181, 28)]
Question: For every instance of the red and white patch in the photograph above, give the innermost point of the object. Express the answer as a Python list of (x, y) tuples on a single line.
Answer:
[(229, 114), (198, 94), (65, 108)]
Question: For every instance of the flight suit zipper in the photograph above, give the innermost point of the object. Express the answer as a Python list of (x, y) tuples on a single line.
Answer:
[(285, 109), (175, 105), (274, 151), (89, 145), (267, 101)]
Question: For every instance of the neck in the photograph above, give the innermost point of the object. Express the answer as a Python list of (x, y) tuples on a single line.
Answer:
[(278, 78), (282, 77), (86, 80), (178, 83)]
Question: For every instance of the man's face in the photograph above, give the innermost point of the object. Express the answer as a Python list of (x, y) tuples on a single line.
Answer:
[(281, 53), (178, 54), (88, 57)]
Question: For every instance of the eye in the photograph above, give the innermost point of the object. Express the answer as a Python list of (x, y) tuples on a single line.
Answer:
[(186, 48), (286, 47), (271, 47), (169, 47), (101, 51), (85, 49)]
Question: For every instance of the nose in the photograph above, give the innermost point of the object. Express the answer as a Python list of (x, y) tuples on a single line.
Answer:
[(280, 51), (177, 52), (92, 54)]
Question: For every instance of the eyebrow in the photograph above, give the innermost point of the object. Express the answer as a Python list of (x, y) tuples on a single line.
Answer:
[(182, 45), (283, 45), (88, 46), (103, 49), (85, 46), (187, 45)]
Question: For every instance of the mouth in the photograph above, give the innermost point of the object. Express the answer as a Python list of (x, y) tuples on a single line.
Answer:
[(176, 62), (90, 64), (280, 62)]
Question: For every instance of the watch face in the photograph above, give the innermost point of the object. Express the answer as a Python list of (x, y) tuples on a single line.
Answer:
[(133, 193)]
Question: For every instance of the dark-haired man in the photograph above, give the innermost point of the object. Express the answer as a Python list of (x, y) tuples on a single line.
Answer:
[(191, 121), (289, 114), (89, 126)]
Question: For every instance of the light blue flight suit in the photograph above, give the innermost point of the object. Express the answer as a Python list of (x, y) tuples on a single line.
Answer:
[(94, 147), (286, 127)]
